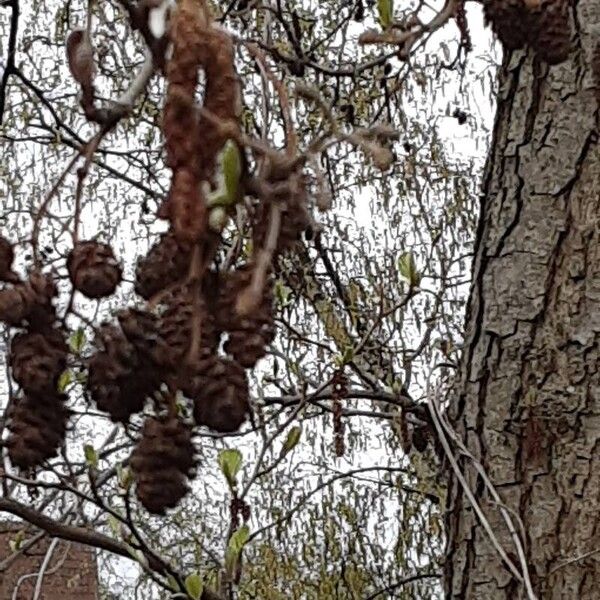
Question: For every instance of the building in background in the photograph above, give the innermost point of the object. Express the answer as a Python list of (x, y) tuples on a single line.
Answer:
[(70, 572)]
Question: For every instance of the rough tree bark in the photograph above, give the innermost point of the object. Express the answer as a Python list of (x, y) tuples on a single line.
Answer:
[(529, 397)]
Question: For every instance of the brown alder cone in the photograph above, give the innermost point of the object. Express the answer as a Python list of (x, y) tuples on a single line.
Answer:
[(219, 390), (420, 438), (542, 24), (186, 328), (119, 378), (295, 220), (510, 21), (29, 302), (37, 427), (37, 360), (7, 256), (162, 462), (166, 263), (93, 269), (295, 216), (552, 42), (140, 327), (248, 335)]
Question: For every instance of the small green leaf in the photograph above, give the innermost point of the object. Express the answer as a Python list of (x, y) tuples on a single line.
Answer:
[(348, 354), (137, 555), (173, 583), (229, 170), (115, 526), (194, 586), (234, 548), (124, 477), (66, 377), (91, 456), (239, 538), (408, 269), (17, 541), (282, 293), (292, 439), (81, 377), (230, 461), (77, 340), (385, 10)]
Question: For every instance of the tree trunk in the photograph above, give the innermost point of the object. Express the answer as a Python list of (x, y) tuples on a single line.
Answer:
[(529, 396)]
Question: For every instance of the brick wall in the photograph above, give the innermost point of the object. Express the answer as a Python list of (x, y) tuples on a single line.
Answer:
[(70, 575)]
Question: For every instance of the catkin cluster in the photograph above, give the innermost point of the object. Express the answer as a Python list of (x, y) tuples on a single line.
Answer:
[(187, 343)]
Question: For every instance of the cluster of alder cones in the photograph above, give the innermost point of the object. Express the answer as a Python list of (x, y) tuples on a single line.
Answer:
[(188, 338), (201, 327), (38, 355), (542, 25)]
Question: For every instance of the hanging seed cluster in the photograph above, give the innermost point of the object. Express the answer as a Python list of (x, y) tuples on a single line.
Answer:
[(200, 326), (162, 462), (93, 269), (37, 418), (541, 24)]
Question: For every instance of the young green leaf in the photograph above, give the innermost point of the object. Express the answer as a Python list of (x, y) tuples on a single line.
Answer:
[(239, 538), (77, 340), (66, 377), (17, 541), (408, 269), (91, 456), (229, 170), (137, 555), (124, 477), (234, 548), (385, 10), (173, 583), (292, 439), (282, 293), (115, 526), (194, 586), (230, 462)]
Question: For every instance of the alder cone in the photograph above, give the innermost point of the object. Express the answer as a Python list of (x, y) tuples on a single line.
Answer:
[(7, 257), (166, 263), (140, 327), (37, 427), (247, 343), (219, 390), (162, 462), (37, 361), (551, 23), (295, 220), (187, 322), (93, 269), (510, 21), (420, 438), (119, 378), (29, 302), (248, 335)]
